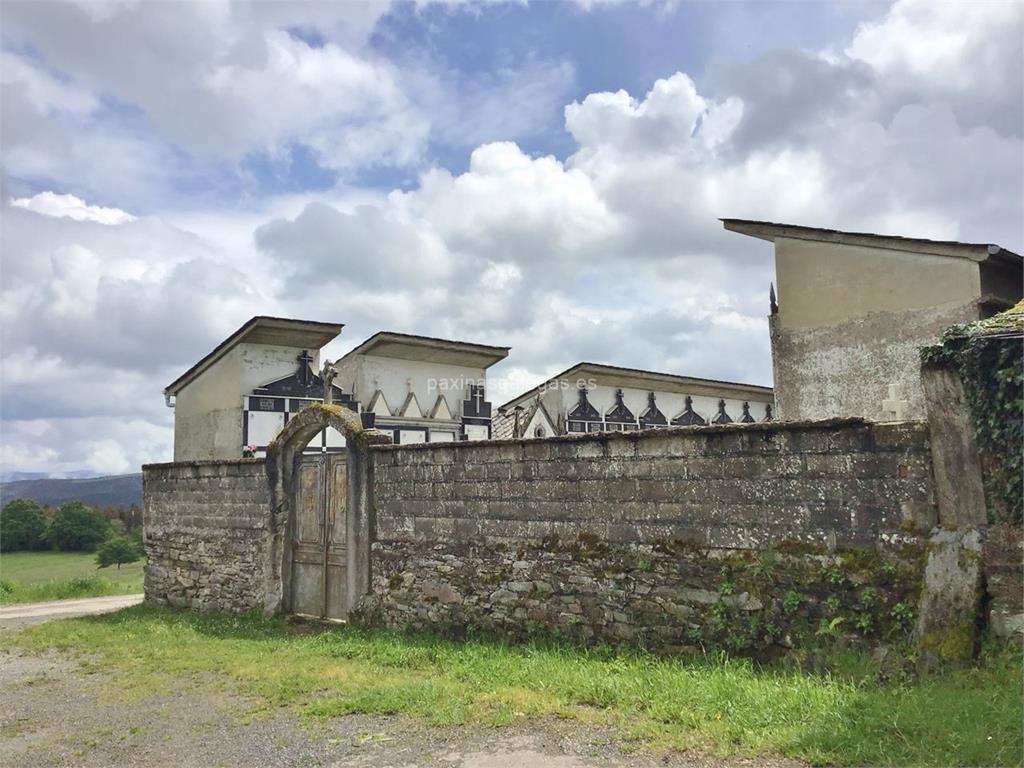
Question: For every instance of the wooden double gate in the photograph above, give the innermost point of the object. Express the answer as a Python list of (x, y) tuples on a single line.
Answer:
[(317, 537)]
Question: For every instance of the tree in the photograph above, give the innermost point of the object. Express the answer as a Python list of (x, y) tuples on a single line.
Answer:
[(77, 527), (116, 551), (22, 525)]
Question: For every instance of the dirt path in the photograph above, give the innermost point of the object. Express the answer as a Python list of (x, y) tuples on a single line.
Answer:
[(57, 713), (21, 614)]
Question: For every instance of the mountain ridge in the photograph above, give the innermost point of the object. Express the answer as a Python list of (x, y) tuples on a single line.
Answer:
[(104, 491)]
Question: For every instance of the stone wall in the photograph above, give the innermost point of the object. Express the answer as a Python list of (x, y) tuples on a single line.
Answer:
[(843, 370), (749, 536), (206, 530), (1004, 576)]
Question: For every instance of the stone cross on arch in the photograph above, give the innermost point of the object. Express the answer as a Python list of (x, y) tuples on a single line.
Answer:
[(894, 407), (327, 374)]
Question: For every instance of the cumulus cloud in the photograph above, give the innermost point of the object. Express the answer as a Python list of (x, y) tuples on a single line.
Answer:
[(90, 293), (211, 77), (71, 207), (968, 55), (196, 90), (612, 253)]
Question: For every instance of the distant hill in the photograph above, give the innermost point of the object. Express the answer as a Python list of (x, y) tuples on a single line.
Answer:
[(9, 477), (111, 491)]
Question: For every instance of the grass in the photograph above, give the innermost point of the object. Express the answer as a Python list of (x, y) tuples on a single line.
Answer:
[(970, 716), (28, 577)]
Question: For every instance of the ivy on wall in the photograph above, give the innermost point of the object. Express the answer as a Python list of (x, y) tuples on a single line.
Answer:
[(988, 356)]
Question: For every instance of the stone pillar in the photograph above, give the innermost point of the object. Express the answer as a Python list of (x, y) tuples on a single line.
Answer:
[(360, 522), (959, 491), (951, 594)]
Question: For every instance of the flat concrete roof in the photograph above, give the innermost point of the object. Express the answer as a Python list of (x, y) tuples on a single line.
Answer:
[(635, 378), (405, 346), (262, 329), (770, 230)]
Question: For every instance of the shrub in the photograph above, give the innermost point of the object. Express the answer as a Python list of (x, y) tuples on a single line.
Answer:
[(22, 526), (116, 551), (77, 527)]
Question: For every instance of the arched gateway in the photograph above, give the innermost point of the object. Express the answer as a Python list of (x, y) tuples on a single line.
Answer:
[(319, 560)]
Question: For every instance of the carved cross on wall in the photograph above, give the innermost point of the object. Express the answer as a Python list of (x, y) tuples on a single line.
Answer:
[(477, 395), (895, 407), (303, 373)]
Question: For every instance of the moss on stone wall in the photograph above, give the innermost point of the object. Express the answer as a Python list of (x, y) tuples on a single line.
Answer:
[(952, 642), (663, 596), (987, 355)]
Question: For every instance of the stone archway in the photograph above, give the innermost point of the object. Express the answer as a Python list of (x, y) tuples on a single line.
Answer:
[(280, 467)]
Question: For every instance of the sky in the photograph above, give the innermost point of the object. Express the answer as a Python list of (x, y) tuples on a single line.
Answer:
[(541, 175)]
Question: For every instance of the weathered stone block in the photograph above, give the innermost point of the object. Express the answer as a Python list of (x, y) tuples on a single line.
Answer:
[(951, 595)]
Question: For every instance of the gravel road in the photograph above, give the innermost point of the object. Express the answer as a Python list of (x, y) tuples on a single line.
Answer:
[(56, 712), (21, 614)]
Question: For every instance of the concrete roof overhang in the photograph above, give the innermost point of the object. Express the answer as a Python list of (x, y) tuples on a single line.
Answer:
[(404, 346), (262, 329)]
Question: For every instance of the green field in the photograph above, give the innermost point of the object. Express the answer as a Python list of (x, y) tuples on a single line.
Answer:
[(850, 716), (28, 577)]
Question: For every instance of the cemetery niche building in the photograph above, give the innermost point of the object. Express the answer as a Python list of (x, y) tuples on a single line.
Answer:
[(592, 397), (421, 389), (242, 392), (236, 399), (852, 311)]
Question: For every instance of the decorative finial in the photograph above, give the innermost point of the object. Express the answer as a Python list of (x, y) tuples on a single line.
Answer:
[(746, 418), (773, 305), (722, 417)]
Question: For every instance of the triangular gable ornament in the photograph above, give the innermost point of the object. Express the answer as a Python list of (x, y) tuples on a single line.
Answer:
[(304, 384), (722, 417), (689, 417), (410, 408), (652, 415), (584, 411), (619, 413), (441, 410), (539, 423), (378, 405)]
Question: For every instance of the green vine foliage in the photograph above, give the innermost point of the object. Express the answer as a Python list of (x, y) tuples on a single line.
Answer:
[(988, 356)]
